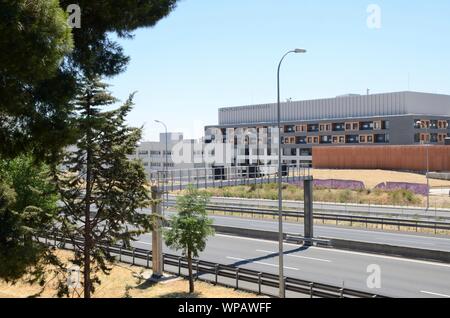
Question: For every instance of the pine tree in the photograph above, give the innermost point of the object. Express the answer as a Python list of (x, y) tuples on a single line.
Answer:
[(101, 189), (190, 228)]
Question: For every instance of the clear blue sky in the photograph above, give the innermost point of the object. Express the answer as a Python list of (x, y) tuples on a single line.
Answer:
[(211, 54)]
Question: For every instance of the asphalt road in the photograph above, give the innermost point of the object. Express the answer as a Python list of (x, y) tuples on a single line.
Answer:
[(398, 277), (440, 243), (360, 209)]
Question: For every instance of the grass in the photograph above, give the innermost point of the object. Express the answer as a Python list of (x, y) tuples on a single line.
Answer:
[(126, 281), (392, 228), (294, 193)]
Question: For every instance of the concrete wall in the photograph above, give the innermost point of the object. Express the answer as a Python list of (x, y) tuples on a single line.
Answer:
[(411, 158)]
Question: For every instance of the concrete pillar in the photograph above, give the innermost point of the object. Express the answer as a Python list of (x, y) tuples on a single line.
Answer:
[(308, 199), (157, 265)]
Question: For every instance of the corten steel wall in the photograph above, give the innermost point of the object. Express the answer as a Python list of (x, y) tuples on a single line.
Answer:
[(411, 158)]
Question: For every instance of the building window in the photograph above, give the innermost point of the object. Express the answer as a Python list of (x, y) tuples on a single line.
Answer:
[(433, 124), (300, 140), (313, 140), (366, 139), (325, 139), (143, 152), (441, 138), (289, 129), (325, 127), (313, 128), (338, 127), (377, 125), (366, 126), (352, 139), (354, 126), (301, 128), (305, 152), (381, 138)]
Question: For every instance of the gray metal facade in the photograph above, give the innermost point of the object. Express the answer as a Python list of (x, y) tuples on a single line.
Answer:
[(343, 107)]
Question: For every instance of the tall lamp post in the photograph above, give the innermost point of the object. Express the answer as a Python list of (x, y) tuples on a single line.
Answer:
[(166, 164), (419, 123), (280, 180)]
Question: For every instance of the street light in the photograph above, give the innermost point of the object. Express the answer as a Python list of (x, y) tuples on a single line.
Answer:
[(280, 180), (166, 164), (419, 123)]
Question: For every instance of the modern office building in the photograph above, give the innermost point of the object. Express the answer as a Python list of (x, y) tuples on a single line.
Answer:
[(153, 153), (400, 118)]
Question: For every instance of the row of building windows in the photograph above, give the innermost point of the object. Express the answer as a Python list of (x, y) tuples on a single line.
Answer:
[(432, 138), (431, 124), (340, 139), (157, 164), (347, 126), (152, 153)]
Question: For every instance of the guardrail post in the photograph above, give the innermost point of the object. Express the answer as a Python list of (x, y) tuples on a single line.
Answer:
[(216, 271), (179, 266), (197, 270), (237, 278), (133, 255), (162, 263), (157, 258), (259, 283), (120, 254), (148, 259), (311, 290), (342, 292)]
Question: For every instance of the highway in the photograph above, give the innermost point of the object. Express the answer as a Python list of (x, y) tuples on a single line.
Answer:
[(359, 209), (399, 277), (441, 243)]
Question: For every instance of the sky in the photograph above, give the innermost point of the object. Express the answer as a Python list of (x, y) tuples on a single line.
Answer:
[(211, 54)]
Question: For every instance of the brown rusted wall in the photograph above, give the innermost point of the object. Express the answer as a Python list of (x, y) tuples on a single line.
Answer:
[(412, 158)]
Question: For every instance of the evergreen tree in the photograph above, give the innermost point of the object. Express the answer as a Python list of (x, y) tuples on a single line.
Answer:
[(190, 228), (28, 205), (101, 189)]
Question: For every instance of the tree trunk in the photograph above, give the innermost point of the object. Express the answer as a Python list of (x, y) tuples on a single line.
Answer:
[(87, 216), (191, 276)]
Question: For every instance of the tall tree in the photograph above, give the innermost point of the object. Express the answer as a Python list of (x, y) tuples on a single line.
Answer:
[(101, 189), (95, 52), (190, 228), (28, 206), (34, 39)]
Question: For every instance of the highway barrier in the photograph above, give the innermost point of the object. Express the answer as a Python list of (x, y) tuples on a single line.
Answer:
[(398, 223), (225, 275)]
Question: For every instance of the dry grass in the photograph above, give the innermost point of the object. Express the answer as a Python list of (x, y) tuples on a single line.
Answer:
[(372, 178), (127, 281)]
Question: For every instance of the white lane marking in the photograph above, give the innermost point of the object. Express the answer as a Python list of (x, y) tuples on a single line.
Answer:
[(340, 251), (252, 239), (382, 256), (435, 294), (260, 263), (298, 256)]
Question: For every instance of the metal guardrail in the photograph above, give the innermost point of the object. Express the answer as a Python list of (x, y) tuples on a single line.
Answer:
[(416, 224), (238, 275), (211, 177)]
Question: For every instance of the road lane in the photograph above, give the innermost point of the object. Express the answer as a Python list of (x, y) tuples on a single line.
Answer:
[(399, 277)]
